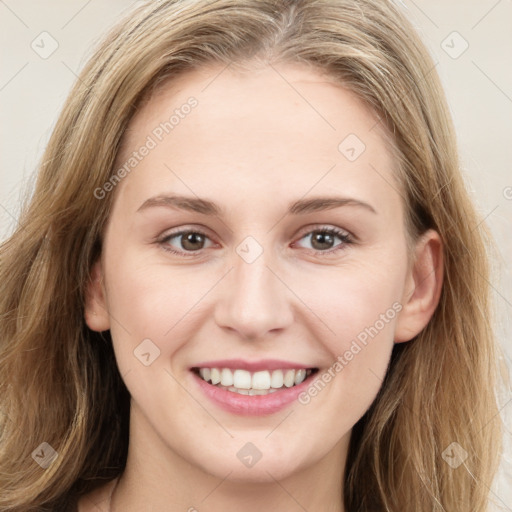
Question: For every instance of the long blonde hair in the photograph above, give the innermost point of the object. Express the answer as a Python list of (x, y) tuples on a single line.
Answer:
[(59, 383)]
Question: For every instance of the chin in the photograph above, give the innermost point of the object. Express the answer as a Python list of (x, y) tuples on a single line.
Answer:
[(271, 465)]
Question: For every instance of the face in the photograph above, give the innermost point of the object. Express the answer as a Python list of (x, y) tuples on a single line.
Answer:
[(260, 231)]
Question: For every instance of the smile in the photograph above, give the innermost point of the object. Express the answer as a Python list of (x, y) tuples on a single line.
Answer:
[(253, 383), (245, 392)]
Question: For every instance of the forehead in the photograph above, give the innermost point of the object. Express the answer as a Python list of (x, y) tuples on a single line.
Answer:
[(287, 129)]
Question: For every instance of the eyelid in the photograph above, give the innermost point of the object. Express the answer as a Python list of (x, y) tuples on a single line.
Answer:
[(184, 232), (323, 227), (193, 228)]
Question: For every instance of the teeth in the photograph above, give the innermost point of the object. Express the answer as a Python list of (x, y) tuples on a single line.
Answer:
[(289, 378), (226, 377), (237, 390), (277, 379), (242, 379), (249, 391), (261, 380), (300, 375), (257, 383), (214, 375), (205, 373)]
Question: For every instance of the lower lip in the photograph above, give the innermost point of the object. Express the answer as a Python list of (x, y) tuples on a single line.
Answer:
[(255, 405)]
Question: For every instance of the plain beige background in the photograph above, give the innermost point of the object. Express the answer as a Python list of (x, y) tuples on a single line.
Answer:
[(471, 42)]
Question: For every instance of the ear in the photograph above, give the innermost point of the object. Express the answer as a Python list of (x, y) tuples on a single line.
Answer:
[(422, 287), (96, 311)]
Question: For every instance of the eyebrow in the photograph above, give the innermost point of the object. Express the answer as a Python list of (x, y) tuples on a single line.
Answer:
[(206, 207)]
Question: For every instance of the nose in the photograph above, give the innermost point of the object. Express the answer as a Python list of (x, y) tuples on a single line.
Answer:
[(253, 300)]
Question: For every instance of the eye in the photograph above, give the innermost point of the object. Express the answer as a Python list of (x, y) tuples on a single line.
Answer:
[(323, 240), (190, 243), (185, 242)]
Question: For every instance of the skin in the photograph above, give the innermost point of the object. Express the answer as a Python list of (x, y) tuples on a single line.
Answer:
[(256, 141)]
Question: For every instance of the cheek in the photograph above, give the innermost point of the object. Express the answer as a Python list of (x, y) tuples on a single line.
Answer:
[(351, 299), (155, 302), (357, 310), (152, 316), (360, 352)]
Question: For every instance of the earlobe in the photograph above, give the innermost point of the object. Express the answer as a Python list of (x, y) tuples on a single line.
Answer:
[(96, 312), (423, 287)]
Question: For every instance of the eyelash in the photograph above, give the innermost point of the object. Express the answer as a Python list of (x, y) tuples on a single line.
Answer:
[(345, 238)]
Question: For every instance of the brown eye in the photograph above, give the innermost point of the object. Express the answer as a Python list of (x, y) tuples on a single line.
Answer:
[(321, 240), (192, 241), (185, 242), (324, 240)]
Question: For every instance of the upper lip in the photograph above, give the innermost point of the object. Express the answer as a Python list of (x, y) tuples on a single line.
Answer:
[(253, 366)]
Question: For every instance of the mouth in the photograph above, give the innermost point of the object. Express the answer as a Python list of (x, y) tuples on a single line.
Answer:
[(263, 382)]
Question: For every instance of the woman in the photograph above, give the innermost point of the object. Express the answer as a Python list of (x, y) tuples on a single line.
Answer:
[(250, 275)]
